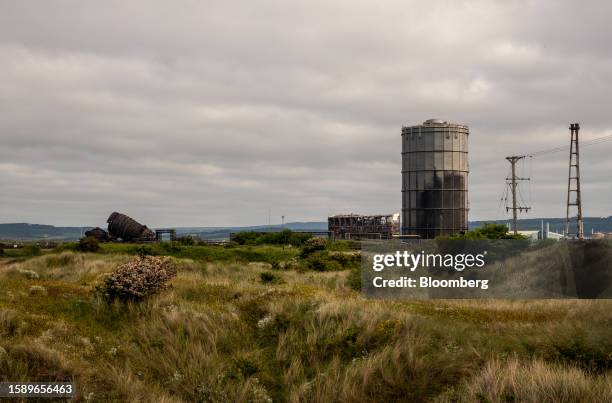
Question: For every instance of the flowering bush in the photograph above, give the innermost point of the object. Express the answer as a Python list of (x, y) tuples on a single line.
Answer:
[(138, 278)]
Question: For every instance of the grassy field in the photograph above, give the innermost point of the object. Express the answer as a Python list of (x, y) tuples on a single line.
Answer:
[(225, 332)]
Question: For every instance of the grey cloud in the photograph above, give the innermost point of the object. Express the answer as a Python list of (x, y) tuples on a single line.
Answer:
[(210, 113)]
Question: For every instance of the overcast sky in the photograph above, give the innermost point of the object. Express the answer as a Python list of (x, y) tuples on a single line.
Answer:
[(210, 113)]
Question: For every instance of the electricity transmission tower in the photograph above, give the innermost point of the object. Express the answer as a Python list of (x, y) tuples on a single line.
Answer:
[(513, 183), (573, 185)]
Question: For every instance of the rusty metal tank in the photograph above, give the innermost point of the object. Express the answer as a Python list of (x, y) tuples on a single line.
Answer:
[(98, 233), (435, 179), (128, 229)]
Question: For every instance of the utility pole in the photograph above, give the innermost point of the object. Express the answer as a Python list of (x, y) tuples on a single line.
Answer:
[(573, 184), (513, 182)]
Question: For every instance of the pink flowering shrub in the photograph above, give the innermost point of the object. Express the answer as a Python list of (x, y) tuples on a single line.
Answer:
[(138, 278)]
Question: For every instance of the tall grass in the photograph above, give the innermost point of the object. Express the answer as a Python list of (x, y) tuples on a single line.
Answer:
[(534, 381), (221, 334)]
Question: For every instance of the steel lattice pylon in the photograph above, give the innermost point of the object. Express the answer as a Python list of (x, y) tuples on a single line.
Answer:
[(573, 186)]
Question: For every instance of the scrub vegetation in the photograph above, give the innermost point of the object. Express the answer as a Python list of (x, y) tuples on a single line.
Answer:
[(263, 323), (487, 231)]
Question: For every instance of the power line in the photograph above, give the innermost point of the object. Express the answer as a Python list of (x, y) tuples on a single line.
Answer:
[(512, 180), (530, 181), (587, 143), (503, 199)]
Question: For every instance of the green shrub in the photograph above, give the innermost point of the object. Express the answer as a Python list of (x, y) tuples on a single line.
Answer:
[(31, 250), (138, 278), (144, 250), (61, 260), (65, 246), (88, 244), (171, 247), (313, 245), (347, 260), (589, 355), (343, 245), (487, 231), (268, 277), (10, 322), (186, 240), (321, 261), (243, 367), (284, 237), (354, 279), (317, 265), (245, 238)]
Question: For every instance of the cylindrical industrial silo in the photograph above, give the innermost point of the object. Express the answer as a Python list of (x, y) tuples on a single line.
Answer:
[(128, 229), (434, 179)]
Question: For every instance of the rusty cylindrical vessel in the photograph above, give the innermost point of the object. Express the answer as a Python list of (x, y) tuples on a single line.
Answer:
[(128, 229), (435, 179)]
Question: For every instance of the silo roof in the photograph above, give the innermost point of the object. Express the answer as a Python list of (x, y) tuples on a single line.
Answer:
[(435, 122)]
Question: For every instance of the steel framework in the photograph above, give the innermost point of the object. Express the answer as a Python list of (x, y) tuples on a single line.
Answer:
[(573, 186), (353, 226)]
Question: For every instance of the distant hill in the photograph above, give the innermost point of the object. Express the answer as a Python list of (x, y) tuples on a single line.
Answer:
[(29, 232)]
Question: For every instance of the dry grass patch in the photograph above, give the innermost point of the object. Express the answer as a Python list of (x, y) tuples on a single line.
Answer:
[(533, 382)]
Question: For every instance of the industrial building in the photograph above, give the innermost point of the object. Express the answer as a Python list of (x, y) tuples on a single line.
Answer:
[(354, 226), (434, 179), (543, 233)]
